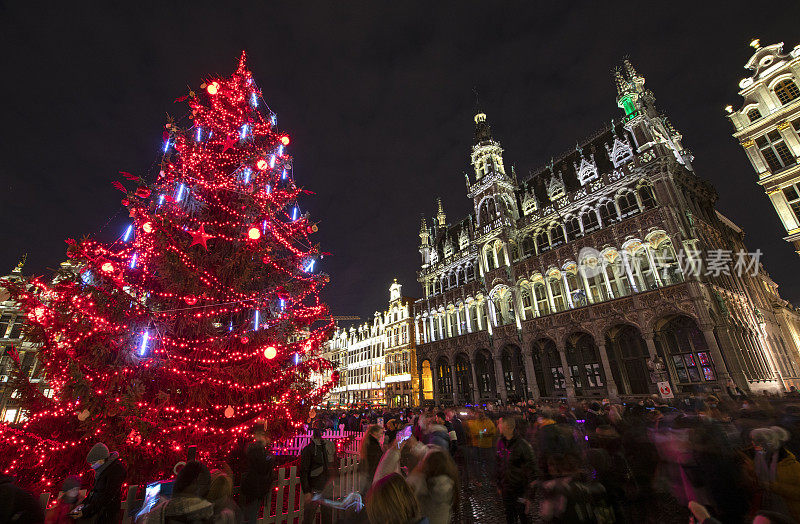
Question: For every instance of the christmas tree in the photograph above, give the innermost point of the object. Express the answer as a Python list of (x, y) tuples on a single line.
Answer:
[(201, 320)]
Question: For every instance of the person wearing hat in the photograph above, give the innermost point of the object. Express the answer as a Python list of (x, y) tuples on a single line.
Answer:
[(103, 502), (70, 490)]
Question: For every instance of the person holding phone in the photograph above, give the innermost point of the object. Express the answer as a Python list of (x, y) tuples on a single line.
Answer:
[(104, 501)]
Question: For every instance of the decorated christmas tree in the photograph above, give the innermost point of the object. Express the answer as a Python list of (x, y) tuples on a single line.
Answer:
[(201, 320)]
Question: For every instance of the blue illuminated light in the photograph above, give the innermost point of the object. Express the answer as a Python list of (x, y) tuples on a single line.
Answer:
[(283, 304), (310, 266), (143, 347), (253, 100), (230, 326), (295, 212), (284, 174), (273, 118), (199, 134), (272, 161), (280, 150), (161, 200), (256, 320), (134, 258), (166, 145), (268, 188), (296, 358), (247, 173), (264, 226), (127, 235), (244, 131), (179, 197)]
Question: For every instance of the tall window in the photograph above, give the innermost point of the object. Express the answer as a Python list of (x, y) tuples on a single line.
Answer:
[(589, 220), (754, 114), (573, 228), (774, 150), (792, 194), (542, 242), (557, 234), (646, 194), (627, 204), (608, 212), (786, 91)]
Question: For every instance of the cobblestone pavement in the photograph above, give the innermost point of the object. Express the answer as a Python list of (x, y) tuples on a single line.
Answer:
[(480, 503)]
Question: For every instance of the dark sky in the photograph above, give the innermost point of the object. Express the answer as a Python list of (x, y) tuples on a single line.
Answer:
[(377, 97)]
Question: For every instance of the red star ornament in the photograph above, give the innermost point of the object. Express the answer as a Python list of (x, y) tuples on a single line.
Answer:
[(229, 142), (200, 237)]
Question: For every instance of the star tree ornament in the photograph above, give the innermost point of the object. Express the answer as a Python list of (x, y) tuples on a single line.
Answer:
[(151, 344)]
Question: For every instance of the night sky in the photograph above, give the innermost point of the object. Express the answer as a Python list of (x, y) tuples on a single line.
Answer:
[(377, 98)]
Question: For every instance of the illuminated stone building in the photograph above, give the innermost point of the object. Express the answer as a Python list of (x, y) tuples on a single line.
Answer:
[(768, 128), (600, 274), (376, 360), (13, 345)]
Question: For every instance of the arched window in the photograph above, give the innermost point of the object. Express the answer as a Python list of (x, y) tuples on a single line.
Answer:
[(608, 212), (786, 91), (573, 228), (754, 114), (444, 378), (542, 241), (590, 222), (646, 195), (470, 273), (528, 248), (627, 204), (489, 254), (527, 302), (557, 234), (542, 304)]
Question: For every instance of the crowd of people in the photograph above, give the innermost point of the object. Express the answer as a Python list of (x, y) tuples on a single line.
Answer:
[(712, 460)]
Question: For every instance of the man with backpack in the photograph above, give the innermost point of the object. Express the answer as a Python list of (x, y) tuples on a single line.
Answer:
[(257, 479), (317, 469)]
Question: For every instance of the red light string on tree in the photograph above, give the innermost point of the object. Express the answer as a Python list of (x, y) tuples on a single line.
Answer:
[(129, 330)]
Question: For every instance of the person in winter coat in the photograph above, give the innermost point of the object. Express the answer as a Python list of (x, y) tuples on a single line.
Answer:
[(516, 469), (59, 514), (103, 502), (220, 495), (17, 505), (370, 454), (777, 471), (317, 465), (392, 501), (435, 484), (257, 480)]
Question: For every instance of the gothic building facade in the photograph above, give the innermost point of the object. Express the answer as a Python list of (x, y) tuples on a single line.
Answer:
[(768, 128), (602, 274), (376, 361)]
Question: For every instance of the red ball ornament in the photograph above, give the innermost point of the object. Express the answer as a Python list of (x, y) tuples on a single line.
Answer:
[(285, 140), (147, 227), (107, 267), (254, 233), (262, 164), (266, 259), (212, 88), (244, 340), (270, 352), (143, 192), (190, 299), (229, 412)]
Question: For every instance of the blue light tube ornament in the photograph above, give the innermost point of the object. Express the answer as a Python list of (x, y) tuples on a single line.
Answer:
[(145, 340), (127, 235)]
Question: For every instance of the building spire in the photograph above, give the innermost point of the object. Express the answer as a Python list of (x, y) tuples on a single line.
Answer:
[(483, 132), (440, 216)]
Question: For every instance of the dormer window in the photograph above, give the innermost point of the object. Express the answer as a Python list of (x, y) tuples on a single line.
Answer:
[(775, 151), (754, 114), (786, 90)]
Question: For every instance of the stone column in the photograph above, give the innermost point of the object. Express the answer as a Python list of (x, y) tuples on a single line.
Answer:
[(567, 290), (476, 393), (432, 329), (549, 295), (500, 381), (567, 375), (586, 287), (519, 314), (489, 307), (627, 261), (651, 345), (530, 373), (611, 385), (466, 315), (716, 354), (607, 282), (455, 383), (535, 301), (653, 268)]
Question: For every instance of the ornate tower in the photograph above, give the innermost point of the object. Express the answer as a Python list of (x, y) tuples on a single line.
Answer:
[(441, 218), (424, 243), (648, 127)]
